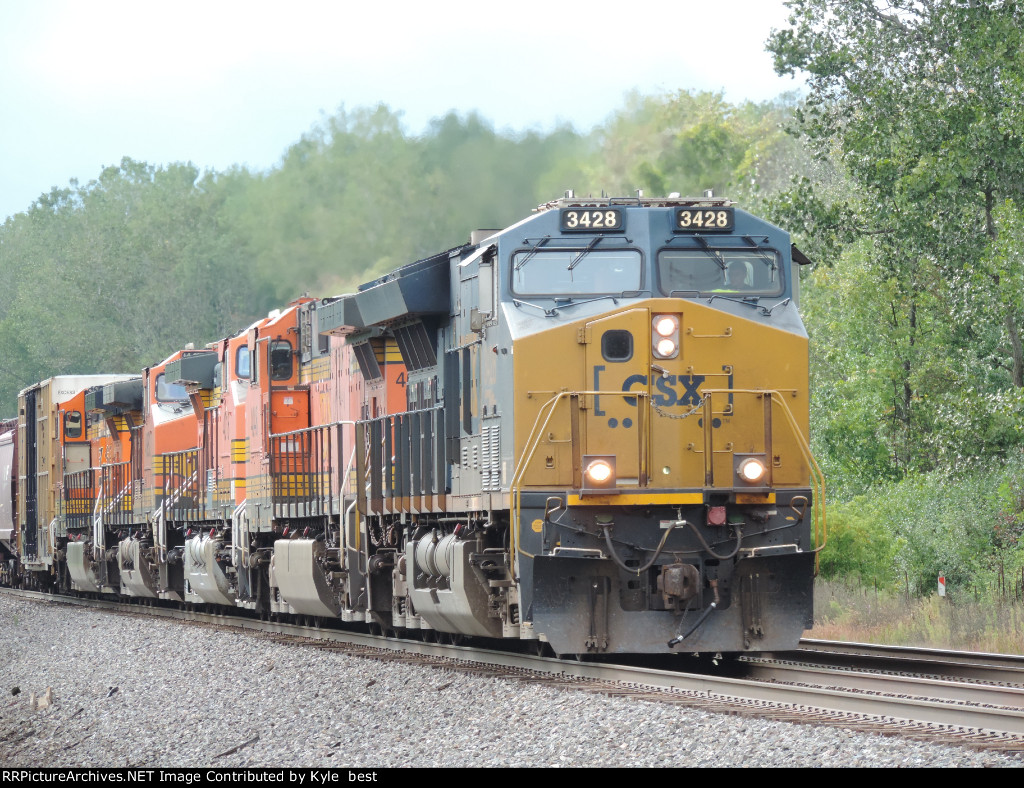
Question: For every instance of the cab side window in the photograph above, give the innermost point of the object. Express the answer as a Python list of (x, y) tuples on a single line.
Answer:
[(72, 424), (169, 392), (280, 359), (242, 362)]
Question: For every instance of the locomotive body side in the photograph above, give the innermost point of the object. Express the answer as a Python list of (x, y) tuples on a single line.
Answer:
[(99, 500), (231, 388), (288, 492), (52, 436)]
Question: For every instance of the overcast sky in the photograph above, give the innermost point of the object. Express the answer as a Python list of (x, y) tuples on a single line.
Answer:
[(221, 82)]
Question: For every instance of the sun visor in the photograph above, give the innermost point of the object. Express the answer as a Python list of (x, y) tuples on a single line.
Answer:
[(799, 257), (418, 289), (338, 314)]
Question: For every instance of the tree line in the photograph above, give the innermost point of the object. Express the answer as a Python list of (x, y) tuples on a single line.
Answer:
[(115, 273)]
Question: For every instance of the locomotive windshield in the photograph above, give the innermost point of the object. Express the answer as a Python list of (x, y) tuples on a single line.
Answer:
[(576, 271), (733, 271)]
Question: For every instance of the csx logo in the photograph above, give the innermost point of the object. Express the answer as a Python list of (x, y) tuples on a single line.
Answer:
[(669, 389)]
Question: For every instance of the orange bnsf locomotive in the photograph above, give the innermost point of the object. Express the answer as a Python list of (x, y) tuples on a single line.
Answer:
[(586, 431)]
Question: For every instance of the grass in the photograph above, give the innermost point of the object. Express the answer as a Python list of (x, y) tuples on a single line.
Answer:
[(960, 622)]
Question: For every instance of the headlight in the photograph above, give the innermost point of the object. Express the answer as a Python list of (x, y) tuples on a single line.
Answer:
[(665, 325), (598, 472), (751, 470), (665, 336), (665, 348)]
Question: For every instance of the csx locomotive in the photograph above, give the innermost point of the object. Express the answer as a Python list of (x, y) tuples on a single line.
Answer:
[(587, 431)]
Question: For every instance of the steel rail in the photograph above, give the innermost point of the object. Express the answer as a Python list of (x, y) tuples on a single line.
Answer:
[(977, 694), (968, 665)]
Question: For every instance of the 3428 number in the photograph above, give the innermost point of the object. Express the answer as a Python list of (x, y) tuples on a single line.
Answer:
[(582, 220), (694, 219)]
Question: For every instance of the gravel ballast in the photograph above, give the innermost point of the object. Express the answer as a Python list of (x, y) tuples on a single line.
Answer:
[(133, 692)]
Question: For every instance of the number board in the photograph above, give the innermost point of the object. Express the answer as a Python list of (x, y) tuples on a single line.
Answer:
[(704, 220), (589, 220)]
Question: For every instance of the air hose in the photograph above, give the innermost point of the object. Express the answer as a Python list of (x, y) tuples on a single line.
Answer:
[(707, 612)]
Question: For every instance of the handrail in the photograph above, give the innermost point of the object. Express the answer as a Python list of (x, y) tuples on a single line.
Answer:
[(98, 534), (533, 441), (310, 429), (159, 515), (159, 535), (107, 472), (113, 501), (303, 466), (815, 472), (51, 536), (76, 492), (819, 511), (237, 548)]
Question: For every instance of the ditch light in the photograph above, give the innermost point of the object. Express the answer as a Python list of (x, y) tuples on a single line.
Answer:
[(598, 472)]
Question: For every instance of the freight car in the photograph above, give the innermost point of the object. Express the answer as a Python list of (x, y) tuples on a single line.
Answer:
[(586, 431)]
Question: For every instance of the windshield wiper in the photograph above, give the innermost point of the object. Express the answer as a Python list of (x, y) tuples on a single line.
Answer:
[(766, 258), (748, 301), (561, 302), (754, 302), (711, 252), (547, 312), (768, 312), (570, 302), (590, 247), (530, 254)]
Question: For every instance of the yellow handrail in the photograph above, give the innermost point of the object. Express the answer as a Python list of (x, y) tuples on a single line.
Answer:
[(532, 441)]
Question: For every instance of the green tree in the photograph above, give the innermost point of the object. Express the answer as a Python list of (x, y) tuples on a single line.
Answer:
[(859, 545), (688, 142), (117, 274), (919, 103)]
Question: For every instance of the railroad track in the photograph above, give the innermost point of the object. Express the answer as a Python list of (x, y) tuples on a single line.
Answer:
[(966, 665), (946, 697)]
